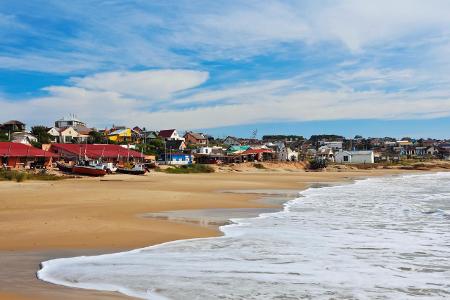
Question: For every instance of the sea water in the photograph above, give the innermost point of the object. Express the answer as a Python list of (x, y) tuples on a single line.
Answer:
[(380, 238)]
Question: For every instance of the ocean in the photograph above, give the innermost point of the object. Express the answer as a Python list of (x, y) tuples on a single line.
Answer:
[(378, 238)]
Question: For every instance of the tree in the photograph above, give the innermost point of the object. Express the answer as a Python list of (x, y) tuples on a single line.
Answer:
[(153, 147), (96, 137), (40, 132), (4, 137)]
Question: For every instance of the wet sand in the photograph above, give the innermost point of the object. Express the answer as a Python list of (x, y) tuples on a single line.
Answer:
[(45, 220)]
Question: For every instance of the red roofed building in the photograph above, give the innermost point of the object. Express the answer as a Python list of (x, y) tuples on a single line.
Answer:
[(170, 134), (17, 155), (108, 153)]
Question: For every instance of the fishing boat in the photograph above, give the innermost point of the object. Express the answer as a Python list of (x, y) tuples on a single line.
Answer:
[(89, 168), (64, 167), (110, 167), (136, 169)]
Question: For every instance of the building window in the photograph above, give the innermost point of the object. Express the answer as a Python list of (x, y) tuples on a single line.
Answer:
[(345, 158)]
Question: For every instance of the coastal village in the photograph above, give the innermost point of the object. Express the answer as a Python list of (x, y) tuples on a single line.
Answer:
[(135, 150)]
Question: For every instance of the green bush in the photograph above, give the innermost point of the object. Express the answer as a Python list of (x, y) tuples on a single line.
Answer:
[(186, 169), (21, 176), (318, 164)]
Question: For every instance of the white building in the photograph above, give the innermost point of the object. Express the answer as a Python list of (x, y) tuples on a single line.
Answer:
[(326, 153), (69, 121), (354, 157), (287, 154), (170, 135), (23, 138), (337, 145)]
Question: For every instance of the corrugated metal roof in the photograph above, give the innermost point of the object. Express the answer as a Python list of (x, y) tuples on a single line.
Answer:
[(22, 150), (96, 151)]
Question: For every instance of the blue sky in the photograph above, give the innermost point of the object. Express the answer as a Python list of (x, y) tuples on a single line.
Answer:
[(228, 67)]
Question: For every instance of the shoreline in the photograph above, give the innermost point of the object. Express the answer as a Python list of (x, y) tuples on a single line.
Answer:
[(248, 199)]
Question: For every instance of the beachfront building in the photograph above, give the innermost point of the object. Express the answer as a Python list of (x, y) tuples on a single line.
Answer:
[(354, 157), (260, 154), (176, 159), (105, 152), (17, 155)]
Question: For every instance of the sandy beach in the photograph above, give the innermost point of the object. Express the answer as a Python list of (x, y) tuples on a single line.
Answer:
[(44, 220)]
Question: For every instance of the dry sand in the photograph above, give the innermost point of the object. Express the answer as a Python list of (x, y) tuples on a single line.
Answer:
[(45, 220)]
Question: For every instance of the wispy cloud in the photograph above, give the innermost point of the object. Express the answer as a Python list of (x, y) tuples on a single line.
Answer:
[(111, 35), (104, 99)]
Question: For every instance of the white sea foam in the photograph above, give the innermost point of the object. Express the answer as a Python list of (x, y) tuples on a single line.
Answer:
[(383, 238)]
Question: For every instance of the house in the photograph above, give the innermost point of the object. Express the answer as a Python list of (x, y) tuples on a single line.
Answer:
[(23, 138), (176, 159), (149, 136), (432, 151), (17, 155), (421, 151), (71, 135), (325, 153), (288, 154), (177, 145), (354, 157), (205, 150), (106, 152), (195, 138), (13, 126), (335, 145), (120, 135), (170, 134), (69, 121), (231, 141), (54, 135)]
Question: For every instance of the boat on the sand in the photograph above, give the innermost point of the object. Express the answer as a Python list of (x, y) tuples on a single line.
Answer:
[(89, 168), (64, 167), (136, 169)]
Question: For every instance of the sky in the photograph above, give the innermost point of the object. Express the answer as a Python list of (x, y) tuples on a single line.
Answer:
[(374, 68)]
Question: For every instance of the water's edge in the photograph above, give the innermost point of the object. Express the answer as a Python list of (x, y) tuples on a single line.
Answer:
[(41, 274)]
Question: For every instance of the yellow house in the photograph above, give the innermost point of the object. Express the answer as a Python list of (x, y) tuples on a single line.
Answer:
[(121, 135)]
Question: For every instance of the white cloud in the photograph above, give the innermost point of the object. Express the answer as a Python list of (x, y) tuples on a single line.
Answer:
[(151, 84), (261, 101)]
